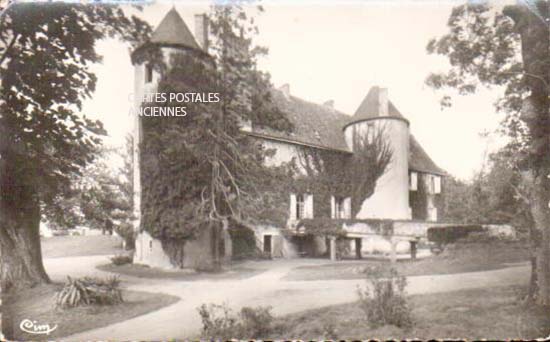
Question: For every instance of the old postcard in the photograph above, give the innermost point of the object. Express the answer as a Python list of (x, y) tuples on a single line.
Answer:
[(274, 170)]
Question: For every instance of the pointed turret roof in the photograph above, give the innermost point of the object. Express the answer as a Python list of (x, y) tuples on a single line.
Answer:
[(173, 31), (370, 107)]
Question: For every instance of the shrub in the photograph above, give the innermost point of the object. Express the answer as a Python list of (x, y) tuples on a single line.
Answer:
[(446, 235), (243, 243), (121, 259), (89, 291), (484, 237), (256, 322), (220, 323), (383, 300), (126, 231)]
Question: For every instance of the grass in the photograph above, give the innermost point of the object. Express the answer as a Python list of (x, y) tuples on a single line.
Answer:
[(142, 271), (37, 304), (80, 245), (492, 313), (459, 258)]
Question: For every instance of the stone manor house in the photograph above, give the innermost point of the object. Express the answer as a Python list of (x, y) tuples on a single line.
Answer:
[(396, 197)]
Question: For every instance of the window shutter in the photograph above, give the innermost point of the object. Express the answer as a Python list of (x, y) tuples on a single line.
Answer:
[(414, 181), (332, 207), (437, 184), (347, 207), (292, 206), (309, 206), (432, 214)]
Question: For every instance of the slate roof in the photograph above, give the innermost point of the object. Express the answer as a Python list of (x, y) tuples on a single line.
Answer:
[(315, 125), (420, 161), (321, 126), (172, 30)]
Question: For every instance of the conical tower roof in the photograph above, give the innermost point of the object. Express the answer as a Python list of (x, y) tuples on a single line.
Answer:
[(173, 31), (370, 107)]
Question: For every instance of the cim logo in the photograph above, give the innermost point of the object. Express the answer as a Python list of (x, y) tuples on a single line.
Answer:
[(32, 327)]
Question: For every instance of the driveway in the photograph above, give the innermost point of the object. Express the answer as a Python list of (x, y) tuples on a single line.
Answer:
[(181, 320)]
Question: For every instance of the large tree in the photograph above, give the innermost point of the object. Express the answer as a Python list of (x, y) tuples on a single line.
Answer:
[(509, 48), (45, 54)]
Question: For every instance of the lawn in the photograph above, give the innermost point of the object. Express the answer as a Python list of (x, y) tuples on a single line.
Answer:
[(37, 304), (493, 313), (459, 258), (142, 271), (80, 245)]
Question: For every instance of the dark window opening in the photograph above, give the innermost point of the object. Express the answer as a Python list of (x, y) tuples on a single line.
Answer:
[(300, 207), (148, 73), (267, 244)]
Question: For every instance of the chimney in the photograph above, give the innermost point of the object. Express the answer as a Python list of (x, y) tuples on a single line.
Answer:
[(285, 89), (201, 31), (329, 104), (382, 101)]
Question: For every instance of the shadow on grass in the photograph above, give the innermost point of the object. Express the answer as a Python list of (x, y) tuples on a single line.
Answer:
[(38, 305), (473, 257)]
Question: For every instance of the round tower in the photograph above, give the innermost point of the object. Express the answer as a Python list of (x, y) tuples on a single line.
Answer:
[(375, 116), (171, 36)]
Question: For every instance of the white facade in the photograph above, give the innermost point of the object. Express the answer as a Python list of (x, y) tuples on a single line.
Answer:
[(390, 199)]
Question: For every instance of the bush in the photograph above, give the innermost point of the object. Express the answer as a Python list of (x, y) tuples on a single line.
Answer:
[(383, 299), (121, 259), (126, 231), (243, 243), (89, 291), (446, 235), (484, 237), (220, 323)]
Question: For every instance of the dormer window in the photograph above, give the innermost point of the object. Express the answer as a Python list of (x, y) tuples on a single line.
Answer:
[(148, 73)]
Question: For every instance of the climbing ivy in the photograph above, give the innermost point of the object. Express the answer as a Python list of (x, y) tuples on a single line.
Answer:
[(326, 173)]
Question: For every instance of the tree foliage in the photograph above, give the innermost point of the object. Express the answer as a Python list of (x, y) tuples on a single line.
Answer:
[(510, 48), (330, 173), (46, 52), (495, 195)]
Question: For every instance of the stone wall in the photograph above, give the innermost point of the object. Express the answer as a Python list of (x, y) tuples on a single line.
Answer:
[(197, 252)]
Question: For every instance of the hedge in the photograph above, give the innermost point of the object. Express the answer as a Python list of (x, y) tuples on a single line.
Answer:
[(450, 234)]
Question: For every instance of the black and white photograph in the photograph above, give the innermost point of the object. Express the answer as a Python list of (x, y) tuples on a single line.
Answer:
[(280, 170)]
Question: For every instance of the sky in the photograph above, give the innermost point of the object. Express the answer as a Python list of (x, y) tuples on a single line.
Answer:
[(328, 50)]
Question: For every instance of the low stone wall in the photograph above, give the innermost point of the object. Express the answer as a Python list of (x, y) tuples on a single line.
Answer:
[(197, 252), (416, 229)]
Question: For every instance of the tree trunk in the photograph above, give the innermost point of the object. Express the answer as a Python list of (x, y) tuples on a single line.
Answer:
[(20, 252), (216, 236), (541, 216)]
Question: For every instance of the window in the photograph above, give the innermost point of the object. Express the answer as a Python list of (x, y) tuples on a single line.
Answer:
[(413, 181), (341, 207), (432, 214), (300, 207), (434, 184), (437, 184), (339, 211), (148, 73)]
